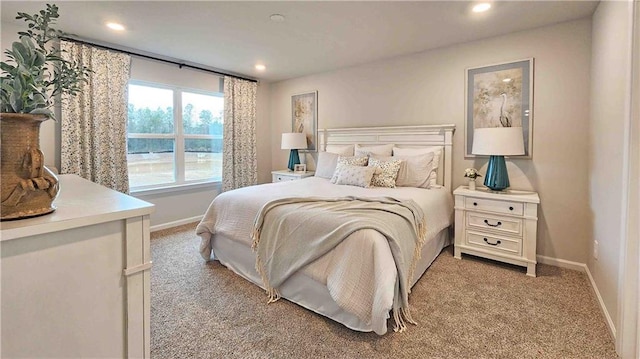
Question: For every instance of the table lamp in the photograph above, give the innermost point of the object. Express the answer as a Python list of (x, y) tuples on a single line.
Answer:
[(293, 141), (497, 142)]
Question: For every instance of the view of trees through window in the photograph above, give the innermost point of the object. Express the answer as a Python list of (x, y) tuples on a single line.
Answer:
[(159, 154)]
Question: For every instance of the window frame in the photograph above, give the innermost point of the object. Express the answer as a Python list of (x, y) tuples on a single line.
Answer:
[(179, 138)]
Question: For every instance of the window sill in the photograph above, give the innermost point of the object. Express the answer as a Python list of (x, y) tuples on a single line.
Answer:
[(217, 185)]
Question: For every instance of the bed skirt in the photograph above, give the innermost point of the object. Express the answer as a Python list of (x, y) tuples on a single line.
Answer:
[(306, 291)]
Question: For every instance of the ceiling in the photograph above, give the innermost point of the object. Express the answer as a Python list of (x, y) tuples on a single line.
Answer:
[(314, 37)]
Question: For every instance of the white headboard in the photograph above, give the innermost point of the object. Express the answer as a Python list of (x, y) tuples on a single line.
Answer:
[(401, 136)]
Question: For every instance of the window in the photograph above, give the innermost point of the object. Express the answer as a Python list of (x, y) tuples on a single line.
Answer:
[(174, 136)]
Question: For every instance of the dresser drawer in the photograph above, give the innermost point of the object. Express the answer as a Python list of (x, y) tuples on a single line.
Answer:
[(506, 225), (282, 178), (490, 205), (511, 246)]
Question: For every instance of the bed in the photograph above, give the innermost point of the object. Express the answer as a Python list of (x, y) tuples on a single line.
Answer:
[(353, 283)]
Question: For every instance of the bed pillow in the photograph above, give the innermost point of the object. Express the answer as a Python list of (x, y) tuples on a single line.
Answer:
[(351, 161), (386, 172), (355, 175), (414, 151), (342, 150), (378, 150), (327, 163), (414, 170)]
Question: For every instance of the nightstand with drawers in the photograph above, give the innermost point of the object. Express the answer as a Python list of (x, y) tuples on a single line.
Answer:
[(282, 176), (497, 225)]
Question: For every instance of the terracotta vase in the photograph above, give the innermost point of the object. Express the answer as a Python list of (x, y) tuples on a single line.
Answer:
[(28, 187)]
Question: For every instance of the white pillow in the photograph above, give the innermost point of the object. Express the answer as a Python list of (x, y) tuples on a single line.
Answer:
[(327, 163), (414, 170), (351, 161), (378, 150), (355, 175), (414, 151), (342, 150)]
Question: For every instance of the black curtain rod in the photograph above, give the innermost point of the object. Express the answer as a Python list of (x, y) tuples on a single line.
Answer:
[(179, 64)]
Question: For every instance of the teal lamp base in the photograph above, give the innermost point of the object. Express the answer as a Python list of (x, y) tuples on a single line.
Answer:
[(497, 178), (294, 159)]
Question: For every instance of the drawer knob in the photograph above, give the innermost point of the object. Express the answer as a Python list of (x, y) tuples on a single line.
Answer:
[(498, 224), (475, 203), (492, 244), (510, 208)]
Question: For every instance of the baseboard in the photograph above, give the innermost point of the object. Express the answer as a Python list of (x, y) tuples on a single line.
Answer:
[(562, 263), (607, 317), (582, 267), (180, 222)]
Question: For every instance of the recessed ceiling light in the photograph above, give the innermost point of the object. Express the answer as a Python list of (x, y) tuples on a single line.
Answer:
[(506, 80), (481, 7), (277, 18), (115, 26), (260, 67)]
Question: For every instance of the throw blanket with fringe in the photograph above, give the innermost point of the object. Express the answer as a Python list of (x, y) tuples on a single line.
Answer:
[(290, 233)]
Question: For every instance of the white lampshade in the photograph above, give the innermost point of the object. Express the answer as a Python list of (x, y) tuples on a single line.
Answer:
[(293, 141), (498, 141)]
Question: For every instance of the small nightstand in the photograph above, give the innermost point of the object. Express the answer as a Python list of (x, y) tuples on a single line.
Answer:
[(282, 176), (497, 225)]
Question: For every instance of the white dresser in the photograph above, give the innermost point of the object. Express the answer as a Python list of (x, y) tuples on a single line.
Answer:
[(281, 176), (76, 283), (497, 225)]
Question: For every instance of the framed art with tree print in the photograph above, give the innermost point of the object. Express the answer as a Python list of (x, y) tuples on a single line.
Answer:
[(500, 95), (304, 117)]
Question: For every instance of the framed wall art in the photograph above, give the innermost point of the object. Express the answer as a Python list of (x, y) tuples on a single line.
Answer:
[(500, 95), (304, 117)]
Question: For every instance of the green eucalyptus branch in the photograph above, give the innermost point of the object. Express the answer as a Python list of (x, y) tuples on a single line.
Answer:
[(35, 72)]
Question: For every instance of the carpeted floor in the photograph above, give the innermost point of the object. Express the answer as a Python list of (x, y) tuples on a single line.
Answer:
[(466, 309)]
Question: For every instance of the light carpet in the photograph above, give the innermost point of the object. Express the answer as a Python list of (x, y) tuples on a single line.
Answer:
[(469, 308)]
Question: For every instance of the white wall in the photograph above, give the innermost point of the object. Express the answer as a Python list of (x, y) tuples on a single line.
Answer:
[(179, 206), (610, 98), (628, 324), (428, 88)]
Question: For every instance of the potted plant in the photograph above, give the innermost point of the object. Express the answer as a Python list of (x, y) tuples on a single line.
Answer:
[(472, 174), (34, 75)]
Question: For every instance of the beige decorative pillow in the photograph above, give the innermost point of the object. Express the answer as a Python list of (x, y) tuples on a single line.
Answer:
[(342, 150), (386, 173), (355, 175), (414, 151), (378, 150), (351, 161)]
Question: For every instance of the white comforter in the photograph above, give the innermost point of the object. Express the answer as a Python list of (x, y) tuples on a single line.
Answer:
[(360, 273)]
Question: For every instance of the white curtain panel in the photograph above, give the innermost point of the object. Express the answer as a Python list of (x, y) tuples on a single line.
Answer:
[(94, 123), (240, 167)]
